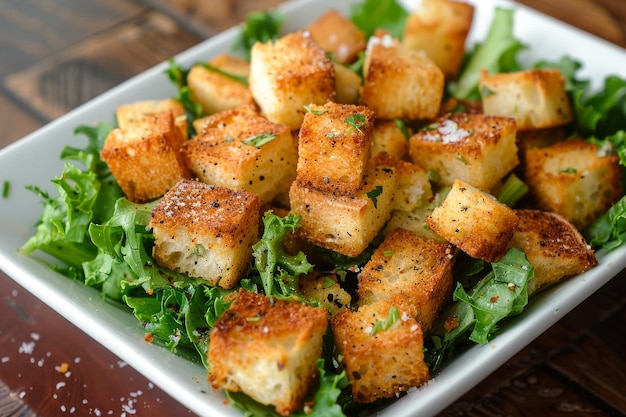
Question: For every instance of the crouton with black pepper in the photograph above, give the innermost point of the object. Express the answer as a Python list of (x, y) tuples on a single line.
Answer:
[(145, 157), (288, 74), (324, 288), (241, 150), (382, 350), (413, 187), (475, 148), (574, 179), (347, 85), (440, 28), (391, 136), (135, 113), (337, 34), (267, 349), (474, 221), (206, 231), (535, 98)]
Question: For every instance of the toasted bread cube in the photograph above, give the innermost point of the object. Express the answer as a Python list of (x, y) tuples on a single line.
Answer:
[(535, 98), (399, 82), (388, 137), (135, 113), (234, 153), (345, 224), (337, 34), (145, 158), (325, 289), (205, 124), (415, 221), (380, 363), (267, 349), (206, 231), (537, 138), (216, 91), (440, 28), (334, 148), (552, 245), (413, 187), (347, 85), (474, 221), (572, 179), (475, 148), (416, 274), (288, 74)]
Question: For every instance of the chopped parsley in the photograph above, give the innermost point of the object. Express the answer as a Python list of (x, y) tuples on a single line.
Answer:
[(374, 194), (392, 317), (260, 139), (316, 112), (6, 187), (356, 122)]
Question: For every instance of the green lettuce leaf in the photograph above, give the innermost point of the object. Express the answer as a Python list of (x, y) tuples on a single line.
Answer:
[(370, 15)]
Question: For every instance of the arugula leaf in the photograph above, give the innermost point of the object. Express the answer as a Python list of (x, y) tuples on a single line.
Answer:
[(261, 27), (370, 15), (178, 76), (609, 231)]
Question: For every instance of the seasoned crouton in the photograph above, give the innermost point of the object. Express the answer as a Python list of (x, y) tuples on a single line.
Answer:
[(135, 113), (288, 74), (400, 82), (440, 28), (475, 148), (415, 221), (218, 86), (388, 137), (347, 85), (572, 178), (474, 221), (268, 350), (416, 274), (145, 157), (413, 187), (325, 289), (206, 231), (552, 245), (536, 138), (345, 224), (536, 98), (242, 150), (379, 362), (337, 34), (335, 142), (223, 119)]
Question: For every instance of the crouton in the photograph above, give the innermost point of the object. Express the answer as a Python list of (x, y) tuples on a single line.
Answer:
[(474, 221), (347, 85), (380, 362), (288, 74), (399, 82), (415, 221), (552, 245), (242, 150), (337, 34), (325, 289), (219, 85), (536, 98), (335, 142), (440, 28), (475, 148), (134, 113), (413, 187), (536, 138), (145, 157), (416, 274), (572, 178), (345, 224), (206, 231), (388, 137), (267, 349)]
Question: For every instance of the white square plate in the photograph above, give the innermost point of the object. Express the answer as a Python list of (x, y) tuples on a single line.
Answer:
[(34, 160)]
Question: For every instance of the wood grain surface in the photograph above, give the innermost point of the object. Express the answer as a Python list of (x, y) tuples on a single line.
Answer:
[(57, 54)]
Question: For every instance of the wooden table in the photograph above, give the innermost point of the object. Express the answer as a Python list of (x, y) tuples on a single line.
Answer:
[(55, 55)]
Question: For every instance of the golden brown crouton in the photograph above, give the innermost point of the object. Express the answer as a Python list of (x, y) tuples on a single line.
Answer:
[(242, 150), (324, 288), (571, 178), (400, 82), (536, 98), (552, 245), (268, 350), (440, 28), (475, 148), (334, 148), (416, 274), (474, 221), (415, 221), (206, 231), (388, 137), (345, 224), (337, 34), (347, 85), (216, 91), (380, 363), (413, 187), (288, 74), (135, 113), (536, 138), (145, 157)]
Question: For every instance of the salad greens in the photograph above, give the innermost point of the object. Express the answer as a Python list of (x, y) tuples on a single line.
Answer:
[(102, 239)]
